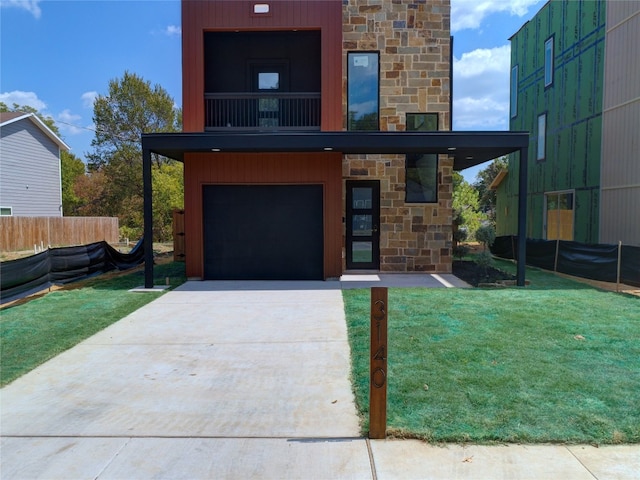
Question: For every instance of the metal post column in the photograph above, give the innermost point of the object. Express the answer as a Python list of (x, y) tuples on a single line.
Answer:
[(148, 218), (522, 217)]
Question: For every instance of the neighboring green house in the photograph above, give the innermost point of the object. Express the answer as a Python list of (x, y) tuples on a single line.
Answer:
[(575, 86)]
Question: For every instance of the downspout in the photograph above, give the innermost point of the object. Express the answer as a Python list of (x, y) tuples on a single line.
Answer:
[(148, 218)]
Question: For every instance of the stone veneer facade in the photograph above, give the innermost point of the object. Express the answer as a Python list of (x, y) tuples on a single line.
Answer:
[(413, 38)]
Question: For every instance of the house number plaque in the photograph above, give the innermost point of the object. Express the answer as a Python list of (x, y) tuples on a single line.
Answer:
[(378, 364)]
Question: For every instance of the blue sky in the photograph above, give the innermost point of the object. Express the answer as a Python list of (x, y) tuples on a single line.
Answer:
[(57, 55)]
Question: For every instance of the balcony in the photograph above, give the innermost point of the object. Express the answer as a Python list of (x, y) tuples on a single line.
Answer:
[(262, 111)]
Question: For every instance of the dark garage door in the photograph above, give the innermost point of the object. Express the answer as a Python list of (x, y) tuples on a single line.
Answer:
[(263, 232)]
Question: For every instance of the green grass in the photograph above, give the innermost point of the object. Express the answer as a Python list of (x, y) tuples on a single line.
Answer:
[(557, 362), (40, 329)]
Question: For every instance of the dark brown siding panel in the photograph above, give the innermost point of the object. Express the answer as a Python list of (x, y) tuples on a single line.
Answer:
[(331, 65), (192, 66), (253, 169), (199, 16)]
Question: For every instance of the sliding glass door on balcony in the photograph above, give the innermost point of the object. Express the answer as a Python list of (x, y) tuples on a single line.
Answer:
[(267, 79)]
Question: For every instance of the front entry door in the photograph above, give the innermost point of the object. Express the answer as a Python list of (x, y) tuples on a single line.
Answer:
[(363, 225)]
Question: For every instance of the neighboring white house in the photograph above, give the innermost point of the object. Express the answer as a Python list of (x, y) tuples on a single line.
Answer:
[(30, 176)]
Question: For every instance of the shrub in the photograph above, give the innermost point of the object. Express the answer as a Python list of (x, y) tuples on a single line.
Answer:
[(132, 233), (486, 235), (460, 251), (484, 259), (460, 234)]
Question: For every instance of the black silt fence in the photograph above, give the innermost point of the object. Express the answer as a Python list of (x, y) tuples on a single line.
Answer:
[(596, 262), (58, 266)]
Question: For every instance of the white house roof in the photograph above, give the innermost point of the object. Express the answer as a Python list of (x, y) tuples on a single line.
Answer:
[(9, 117)]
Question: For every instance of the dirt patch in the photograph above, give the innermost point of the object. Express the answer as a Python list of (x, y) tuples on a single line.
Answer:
[(474, 274), (609, 286)]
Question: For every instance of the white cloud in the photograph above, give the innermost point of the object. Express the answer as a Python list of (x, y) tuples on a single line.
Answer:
[(22, 98), (67, 122), (30, 6), (482, 61), (88, 98), (481, 89), (470, 13), (483, 113), (173, 30)]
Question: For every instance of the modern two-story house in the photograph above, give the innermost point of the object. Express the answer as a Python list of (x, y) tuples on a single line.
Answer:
[(316, 138)]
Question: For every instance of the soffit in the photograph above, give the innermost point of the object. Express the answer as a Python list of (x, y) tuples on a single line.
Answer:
[(466, 148)]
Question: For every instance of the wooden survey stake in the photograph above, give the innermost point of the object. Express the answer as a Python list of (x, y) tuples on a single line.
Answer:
[(378, 364)]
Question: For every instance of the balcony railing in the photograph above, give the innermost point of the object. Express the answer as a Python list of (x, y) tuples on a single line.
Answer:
[(262, 111)]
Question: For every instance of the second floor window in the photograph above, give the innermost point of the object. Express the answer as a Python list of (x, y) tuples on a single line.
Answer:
[(514, 91), (268, 81), (542, 137), (363, 90), (548, 62)]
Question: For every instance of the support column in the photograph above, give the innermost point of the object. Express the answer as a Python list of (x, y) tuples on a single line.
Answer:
[(522, 217), (147, 192)]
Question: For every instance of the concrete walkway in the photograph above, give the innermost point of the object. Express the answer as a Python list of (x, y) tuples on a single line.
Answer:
[(237, 380)]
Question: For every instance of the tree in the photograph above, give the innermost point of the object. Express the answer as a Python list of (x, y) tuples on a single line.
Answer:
[(132, 107), (72, 168), (484, 178), (168, 188), (90, 189), (466, 206)]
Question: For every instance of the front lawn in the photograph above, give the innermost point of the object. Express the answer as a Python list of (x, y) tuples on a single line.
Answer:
[(40, 329), (557, 361)]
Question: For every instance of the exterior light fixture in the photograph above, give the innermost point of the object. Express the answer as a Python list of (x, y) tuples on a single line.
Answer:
[(328, 149), (261, 8), (215, 149), (452, 149)]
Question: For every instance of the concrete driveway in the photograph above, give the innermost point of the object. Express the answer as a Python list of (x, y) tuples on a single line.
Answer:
[(235, 380)]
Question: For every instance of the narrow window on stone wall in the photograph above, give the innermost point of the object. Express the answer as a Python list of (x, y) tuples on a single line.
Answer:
[(363, 90), (421, 170)]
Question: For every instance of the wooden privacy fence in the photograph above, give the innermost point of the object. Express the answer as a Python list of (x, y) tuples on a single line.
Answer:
[(22, 233), (178, 235)]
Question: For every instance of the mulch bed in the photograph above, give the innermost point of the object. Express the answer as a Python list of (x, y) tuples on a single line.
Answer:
[(474, 274)]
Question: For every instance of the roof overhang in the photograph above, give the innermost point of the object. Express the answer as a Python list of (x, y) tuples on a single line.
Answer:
[(466, 148), (38, 123), (498, 179)]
